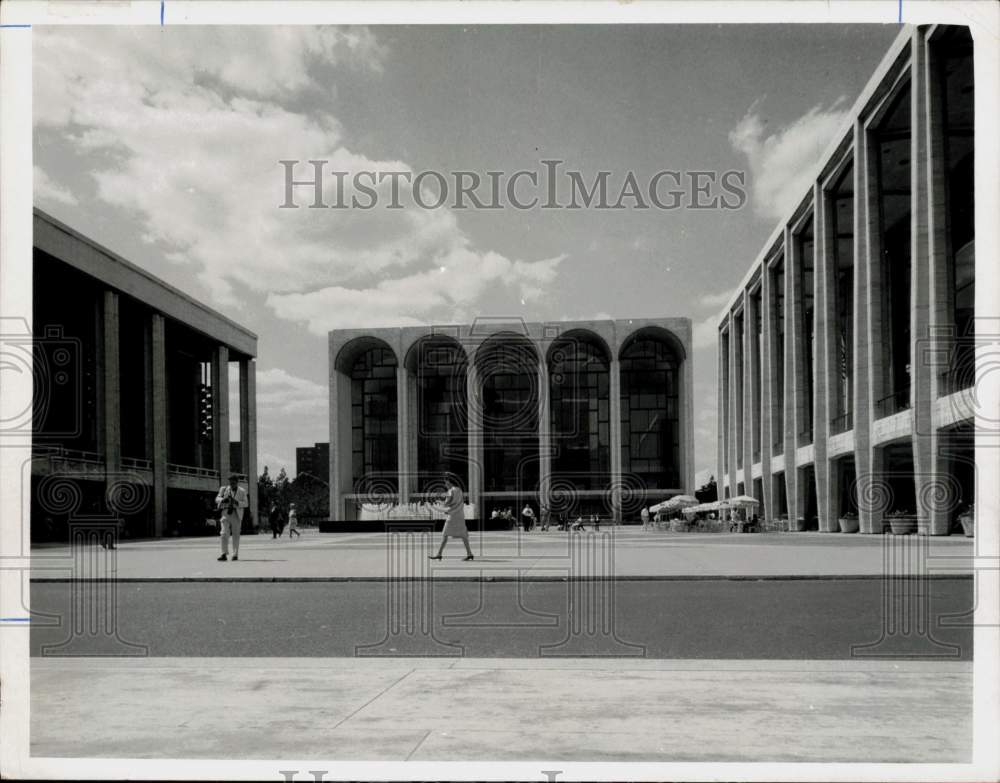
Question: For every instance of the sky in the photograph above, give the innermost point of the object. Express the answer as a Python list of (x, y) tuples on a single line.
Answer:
[(163, 145)]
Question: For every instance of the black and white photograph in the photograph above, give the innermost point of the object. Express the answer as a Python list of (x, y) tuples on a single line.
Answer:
[(500, 391)]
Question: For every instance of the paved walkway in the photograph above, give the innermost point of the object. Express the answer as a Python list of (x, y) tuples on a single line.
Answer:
[(516, 710), (625, 552)]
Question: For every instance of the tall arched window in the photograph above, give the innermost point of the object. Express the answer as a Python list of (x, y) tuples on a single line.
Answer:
[(579, 404), (650, 411), (440, 368), (374, 431)]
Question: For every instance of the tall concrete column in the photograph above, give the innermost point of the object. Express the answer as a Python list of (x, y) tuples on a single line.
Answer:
[(722, 393), (248, 430), (158, 352), (341, 467), (474, 397), (765, 409), (615, 431), (544, 429), (220, 411), (822, 361), (929, 471), (790, 428), (733, 433), (403, 433), (111, 424), (867, 328), (749, 419), (416, 428)]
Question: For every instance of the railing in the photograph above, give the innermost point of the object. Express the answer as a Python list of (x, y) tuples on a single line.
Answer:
[(842, 423), (898, 401), (78, 455), (191, 470), (136, 462)]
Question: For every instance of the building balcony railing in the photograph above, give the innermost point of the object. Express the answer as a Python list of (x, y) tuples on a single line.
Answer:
[(892, 403), (191, 470), (842, 423), (79, 455), (137, 463)]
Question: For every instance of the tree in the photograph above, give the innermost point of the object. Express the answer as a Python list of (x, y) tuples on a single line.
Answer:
[(265, 490), (282, 490), (708, 492)]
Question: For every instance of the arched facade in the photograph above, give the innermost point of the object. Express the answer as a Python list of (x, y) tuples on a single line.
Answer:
[(519, 412)]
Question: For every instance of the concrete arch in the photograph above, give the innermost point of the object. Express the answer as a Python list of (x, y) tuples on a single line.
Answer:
[(660, 333), (410, 361), (350, 351), (501, 338), (581, 335)]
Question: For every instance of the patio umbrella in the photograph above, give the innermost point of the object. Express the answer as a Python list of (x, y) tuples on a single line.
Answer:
[(744, 500)]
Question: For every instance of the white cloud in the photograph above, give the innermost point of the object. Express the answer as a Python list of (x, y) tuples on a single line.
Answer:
[(705, 333), (185, 130), (47, 190), (782, 162), (280, 393), (715, 300)]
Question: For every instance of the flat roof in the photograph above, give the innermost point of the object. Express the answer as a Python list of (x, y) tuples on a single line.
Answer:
[(81, 252)]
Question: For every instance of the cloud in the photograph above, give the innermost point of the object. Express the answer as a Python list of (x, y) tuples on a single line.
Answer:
[(280, 393), (47, 190), (782, 162), (184, 128), (715, 300), (705, 333)]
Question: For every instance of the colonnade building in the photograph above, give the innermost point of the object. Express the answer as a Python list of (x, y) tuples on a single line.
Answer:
[(132, 405), (585, 417), (847, 353)]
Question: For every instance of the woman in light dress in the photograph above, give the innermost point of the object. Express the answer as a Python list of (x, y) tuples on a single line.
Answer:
[(454, 520)]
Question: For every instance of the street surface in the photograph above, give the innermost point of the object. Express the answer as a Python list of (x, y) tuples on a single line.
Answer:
[(787, 619)]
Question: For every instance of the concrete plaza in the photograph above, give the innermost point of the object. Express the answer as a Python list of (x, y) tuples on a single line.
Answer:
[(494, 709), (619, 552)]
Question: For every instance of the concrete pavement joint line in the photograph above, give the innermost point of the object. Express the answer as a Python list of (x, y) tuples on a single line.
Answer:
[(507, 578), (417, 746), (372, 699)]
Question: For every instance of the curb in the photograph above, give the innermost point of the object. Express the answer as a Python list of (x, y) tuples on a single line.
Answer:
[(507, 578)]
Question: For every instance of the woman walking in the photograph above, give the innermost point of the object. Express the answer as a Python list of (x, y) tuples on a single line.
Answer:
[(454, 524)]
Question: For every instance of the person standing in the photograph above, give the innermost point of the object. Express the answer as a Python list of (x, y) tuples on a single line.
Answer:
[(231, 500), (454, 524), (293, 522), (277, 520), (529, 517), (644, 514), (545, 516)]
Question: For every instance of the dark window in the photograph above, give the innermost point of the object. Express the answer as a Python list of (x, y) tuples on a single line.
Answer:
[(738, 371), (374, 457), (777, 273), (650, 413), (726, 435), (805, 248), (579, 391), (756, 338), (892, 149), (442, 445), (954, 53), (841, 205), (508, 369)]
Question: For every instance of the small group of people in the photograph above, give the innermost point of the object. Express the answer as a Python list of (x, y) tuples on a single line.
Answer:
[(279, 519)]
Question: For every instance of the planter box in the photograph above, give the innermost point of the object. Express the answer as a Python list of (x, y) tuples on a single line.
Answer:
[(849, 524), (680, 526), (968, 522), (797, 525), (902, 525)]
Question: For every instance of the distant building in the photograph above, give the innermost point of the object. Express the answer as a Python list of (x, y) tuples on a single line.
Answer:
[(131, 417), (314, 460), (582, 416), (847, 353)]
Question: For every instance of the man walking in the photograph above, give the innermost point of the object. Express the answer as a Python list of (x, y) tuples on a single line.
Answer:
[(231, 500)]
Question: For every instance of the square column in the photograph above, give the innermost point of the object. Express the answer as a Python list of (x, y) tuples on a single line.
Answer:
[(111, 424), (722, 392), (790, 430), (248, 430), (733, 432), (746, 436), (544, 430), (158, 353), (341, 469), (403, 433), (824, 379), (474, 400), (220, 411), (766, 405), (615, 415), (867, 330), (932, 487)]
